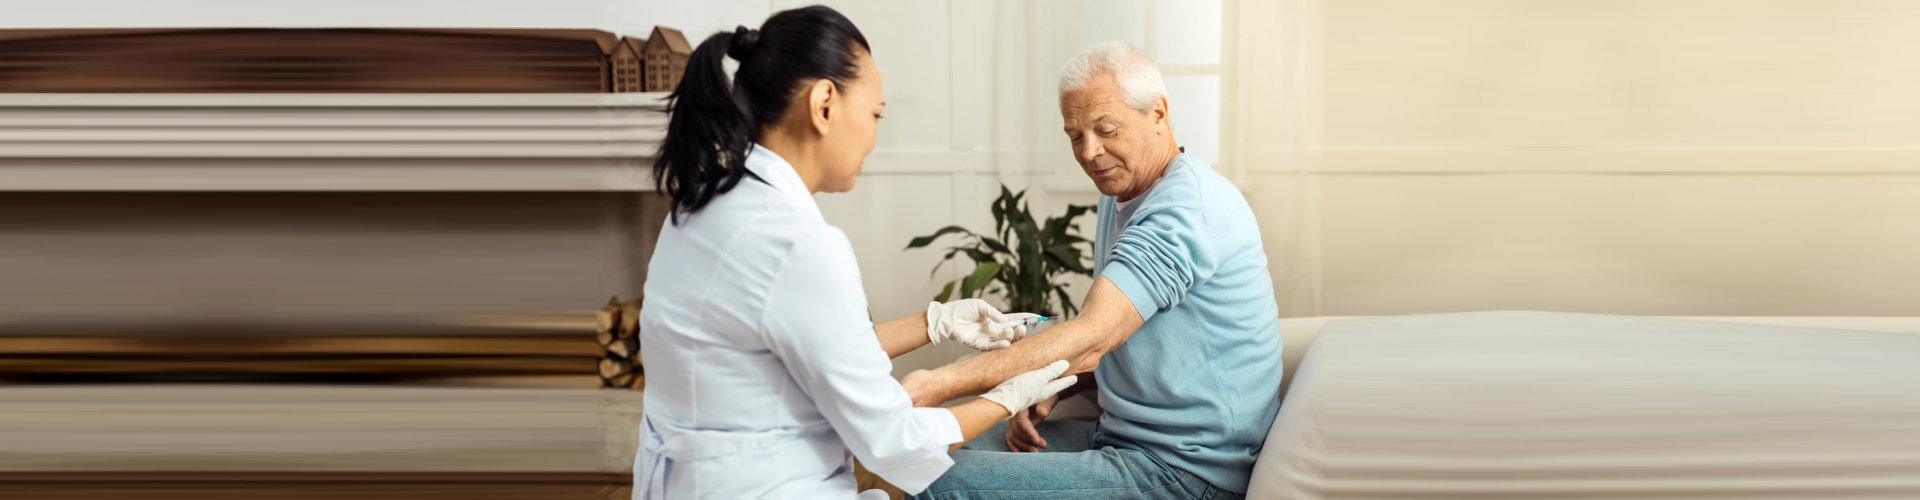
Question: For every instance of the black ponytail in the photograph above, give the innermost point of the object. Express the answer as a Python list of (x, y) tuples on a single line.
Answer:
[(713, 121)]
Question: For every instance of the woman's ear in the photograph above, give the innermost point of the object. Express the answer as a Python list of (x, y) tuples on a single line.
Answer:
[(820, 104)]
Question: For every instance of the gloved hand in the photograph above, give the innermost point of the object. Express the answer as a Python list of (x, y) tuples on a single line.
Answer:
[(971, 321), (1025, 389)]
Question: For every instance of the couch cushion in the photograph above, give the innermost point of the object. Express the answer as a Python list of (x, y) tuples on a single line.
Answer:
[(1552, 405)]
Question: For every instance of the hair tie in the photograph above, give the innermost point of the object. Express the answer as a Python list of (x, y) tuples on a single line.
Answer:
[(745, 42)]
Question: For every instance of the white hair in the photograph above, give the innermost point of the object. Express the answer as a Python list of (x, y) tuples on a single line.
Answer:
[(1138, 77)]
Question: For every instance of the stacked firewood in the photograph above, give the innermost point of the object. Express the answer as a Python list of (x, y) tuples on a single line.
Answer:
[(619, 335)]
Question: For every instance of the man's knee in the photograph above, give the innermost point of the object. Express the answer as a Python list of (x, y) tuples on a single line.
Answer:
[(971, 470)]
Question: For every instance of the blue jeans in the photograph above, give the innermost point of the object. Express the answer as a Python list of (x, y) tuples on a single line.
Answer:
[(1078, 462)]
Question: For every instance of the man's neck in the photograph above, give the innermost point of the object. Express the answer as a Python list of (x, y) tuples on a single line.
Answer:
[(1164, 160)]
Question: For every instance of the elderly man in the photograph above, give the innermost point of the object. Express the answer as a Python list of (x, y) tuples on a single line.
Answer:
[(1180, 328)]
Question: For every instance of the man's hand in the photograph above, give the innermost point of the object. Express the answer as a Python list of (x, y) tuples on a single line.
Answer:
[(972, 322), (1022, 431)]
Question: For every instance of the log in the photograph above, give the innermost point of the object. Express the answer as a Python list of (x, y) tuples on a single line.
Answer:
[(629, 319), (607, 317), (606, 321), (610, 368), (619, 338), (626, 348)]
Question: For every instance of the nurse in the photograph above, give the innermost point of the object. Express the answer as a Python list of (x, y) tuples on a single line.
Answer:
[(766, 376)]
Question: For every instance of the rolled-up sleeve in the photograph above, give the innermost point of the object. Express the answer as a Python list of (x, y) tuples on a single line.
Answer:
[(1161, 253), (816, 322)]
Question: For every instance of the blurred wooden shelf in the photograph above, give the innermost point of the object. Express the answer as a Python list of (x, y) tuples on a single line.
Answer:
[(329, 142), (562, 322), (137, 429), (330, 365), (550, 349), (316, 485), (534, 345)]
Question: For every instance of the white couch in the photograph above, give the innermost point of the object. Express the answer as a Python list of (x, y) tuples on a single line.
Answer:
[(1550, 405)]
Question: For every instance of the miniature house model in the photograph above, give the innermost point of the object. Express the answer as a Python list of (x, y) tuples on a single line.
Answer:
[(665, 56), (624, 60)]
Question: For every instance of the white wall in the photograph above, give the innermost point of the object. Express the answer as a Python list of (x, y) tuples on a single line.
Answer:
[(1686, 158), (1406, 156), (933, 165)]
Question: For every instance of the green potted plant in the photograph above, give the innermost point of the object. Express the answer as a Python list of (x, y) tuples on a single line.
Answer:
[(1022, 261)]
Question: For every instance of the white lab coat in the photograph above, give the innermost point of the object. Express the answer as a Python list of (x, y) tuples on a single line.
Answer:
[(764, 376)]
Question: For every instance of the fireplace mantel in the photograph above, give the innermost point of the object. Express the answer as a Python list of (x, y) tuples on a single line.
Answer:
[(328, 142)]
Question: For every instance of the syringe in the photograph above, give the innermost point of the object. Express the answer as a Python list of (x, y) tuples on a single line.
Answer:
[(1021, 322)]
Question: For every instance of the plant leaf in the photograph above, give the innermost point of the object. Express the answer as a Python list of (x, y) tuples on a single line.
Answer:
[(1068, 257), (979, 279), (995, 245), (1054, 230), (945, 291), (928, 239), (979, 256), (1075, 211), (1019, 260), (999, 211), (1066, 302), (943, 261), (1057, 228), (1030, 263)]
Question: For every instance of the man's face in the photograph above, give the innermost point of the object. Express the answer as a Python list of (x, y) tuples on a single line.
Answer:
[(1117, 146)]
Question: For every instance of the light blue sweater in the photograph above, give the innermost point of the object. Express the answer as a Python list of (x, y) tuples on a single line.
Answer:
[(1198, 385)]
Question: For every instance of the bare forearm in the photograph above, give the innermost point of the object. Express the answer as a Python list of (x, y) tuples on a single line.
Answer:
[(1080, 342), (1106, 322), (976, 417), (903, 334)]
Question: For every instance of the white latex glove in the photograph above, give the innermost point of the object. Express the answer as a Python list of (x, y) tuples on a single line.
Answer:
[(971, 321), (1025, 389)]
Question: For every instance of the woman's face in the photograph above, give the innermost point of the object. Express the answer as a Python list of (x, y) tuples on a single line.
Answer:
[(851, 123)]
